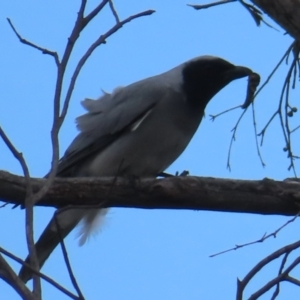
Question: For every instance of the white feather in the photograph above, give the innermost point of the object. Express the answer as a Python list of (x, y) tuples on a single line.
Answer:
[(91, 224)]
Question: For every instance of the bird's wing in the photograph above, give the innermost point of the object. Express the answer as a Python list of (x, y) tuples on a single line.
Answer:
[(108, 117)]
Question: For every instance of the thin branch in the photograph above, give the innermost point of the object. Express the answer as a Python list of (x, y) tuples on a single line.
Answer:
[(213, 117), (57, 122), (97, 43), (67, 260), (114, 12), (253, 82), (286, 133), (198, 6), (256, 136), (286, 249), (284, 98), (233, 138), (18, 155), (29, 202), (283, 262), (24, 41), (292, 280), (295, 129), (80, 23), (275, 281), (9, 276), (262, 239), (43, 276), (275, 69), (93, 13), (262, 133)]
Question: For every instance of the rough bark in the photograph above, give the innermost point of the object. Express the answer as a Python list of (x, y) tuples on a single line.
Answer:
[(284, 12), (197, 193)]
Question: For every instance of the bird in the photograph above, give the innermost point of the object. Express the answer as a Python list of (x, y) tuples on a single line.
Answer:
[(138, 130)]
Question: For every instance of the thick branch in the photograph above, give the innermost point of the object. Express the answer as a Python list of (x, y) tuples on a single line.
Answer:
[(284, 12), (197, 193)]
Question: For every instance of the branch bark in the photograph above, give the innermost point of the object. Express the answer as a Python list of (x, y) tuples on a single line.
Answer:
[(284, 12), (197, 193)]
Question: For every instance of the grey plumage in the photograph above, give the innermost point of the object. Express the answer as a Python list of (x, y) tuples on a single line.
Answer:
[(138, 130)]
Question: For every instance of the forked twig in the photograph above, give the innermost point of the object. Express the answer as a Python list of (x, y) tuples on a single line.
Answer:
[(241, 284)]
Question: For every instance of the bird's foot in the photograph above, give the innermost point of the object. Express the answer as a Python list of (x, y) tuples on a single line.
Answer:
[(166, 175)]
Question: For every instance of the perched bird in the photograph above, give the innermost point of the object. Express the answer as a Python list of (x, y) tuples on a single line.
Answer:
[(138, 130)]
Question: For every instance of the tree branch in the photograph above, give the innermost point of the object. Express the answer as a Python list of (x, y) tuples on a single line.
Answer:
[(284, 12), (28, 43), (9, 276), (197, 193), (17, 280)]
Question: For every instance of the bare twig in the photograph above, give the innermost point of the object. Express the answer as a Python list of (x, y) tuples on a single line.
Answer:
[(18, 155), (295, 129), (233, 138), (242, 284), (43, 276), (285, 125), (213, 117), (9, 276), (262, 133), (97, 43), (256, 136), (94, 13), (114, 12), (292, 280), (284, 98), (275, 69), (283, 262), (198, 6), (275, 281), (29, 202), (286, 54), (262, 239), (67, 260), (57, 121), (24, 41)]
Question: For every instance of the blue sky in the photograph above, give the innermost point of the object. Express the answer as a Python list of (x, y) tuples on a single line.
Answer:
[(147, 254)]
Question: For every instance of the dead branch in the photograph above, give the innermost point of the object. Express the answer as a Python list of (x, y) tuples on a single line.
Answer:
[(9, 276), (283, 12), (41, 275), (265, 196), (282, 274), (261, 240)]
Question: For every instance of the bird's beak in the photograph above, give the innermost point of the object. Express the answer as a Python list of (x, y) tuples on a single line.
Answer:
[(238, 72)]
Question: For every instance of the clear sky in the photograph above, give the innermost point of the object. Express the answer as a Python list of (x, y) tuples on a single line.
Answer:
[(147, 254)]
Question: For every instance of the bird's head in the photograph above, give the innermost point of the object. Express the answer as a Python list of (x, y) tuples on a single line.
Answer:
[(203, 77)]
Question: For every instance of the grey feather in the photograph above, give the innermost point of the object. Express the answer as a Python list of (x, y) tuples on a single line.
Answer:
[(138, 130)]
